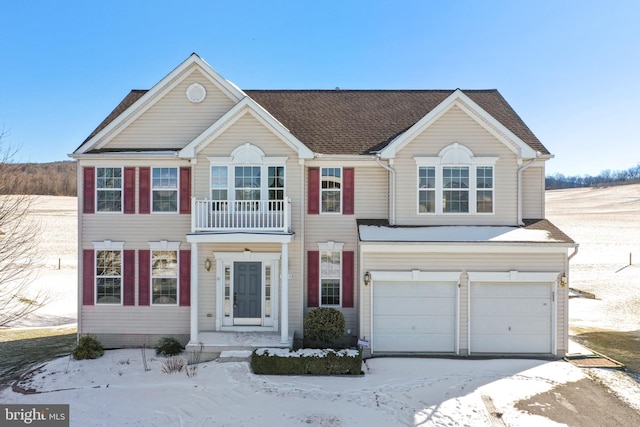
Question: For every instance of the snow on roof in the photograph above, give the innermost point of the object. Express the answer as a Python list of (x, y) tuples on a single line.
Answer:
[(374, 233)]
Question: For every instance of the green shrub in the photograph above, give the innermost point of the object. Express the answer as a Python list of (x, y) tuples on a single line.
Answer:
[(324, 324), (88, 347), (306, 362), (169, 346)]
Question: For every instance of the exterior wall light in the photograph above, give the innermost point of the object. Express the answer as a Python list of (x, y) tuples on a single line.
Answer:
[(207, 264), (563, 280), (367, 278)]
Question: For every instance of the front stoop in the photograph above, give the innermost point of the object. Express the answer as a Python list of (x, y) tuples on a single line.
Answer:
[(214, 345)]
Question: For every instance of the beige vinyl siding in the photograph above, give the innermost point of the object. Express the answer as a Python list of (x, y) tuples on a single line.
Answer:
[(456, 126), (371, 193), (207, 288), (463, 262), (99, 319), (174, 121), (370, 202), (533, 192), (134, 229), (249, 129)]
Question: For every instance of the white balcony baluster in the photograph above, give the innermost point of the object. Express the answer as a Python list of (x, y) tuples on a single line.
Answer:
[(241, 215)]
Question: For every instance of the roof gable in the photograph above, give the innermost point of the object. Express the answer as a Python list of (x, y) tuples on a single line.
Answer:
[(137, 102), (246, 106), (459, 99)]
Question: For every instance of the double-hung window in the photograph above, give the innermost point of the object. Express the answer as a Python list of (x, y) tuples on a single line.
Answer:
[(164, 189), (455, 182), (109, 189), (275, 186), (164, 277), (331, 190), (219, 190), (247, 187), (108, 276), (455, 189), (330, 274)]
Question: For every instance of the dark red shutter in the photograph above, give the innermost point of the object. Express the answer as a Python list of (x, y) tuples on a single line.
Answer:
[(313, 204), (185, 278), (185, 190), (89, 190), (144, 285), (347, 278), (145, 191), (129, 278), (88, 271), (129, 190), (347, 191), (313, 278)]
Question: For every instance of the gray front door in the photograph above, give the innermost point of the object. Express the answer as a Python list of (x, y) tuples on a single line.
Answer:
[(247, 290)]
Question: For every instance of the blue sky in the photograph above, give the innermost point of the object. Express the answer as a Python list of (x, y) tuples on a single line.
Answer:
[(571, 69)]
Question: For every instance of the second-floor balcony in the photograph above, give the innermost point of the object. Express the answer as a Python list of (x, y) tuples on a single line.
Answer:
[(241, 215)]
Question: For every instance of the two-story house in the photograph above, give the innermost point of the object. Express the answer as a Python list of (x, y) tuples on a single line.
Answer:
[(207, 210)]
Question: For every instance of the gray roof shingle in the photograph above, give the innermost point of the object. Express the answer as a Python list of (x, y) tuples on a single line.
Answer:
[(358, 121)]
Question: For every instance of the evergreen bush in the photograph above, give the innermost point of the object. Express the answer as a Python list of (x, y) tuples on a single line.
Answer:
[(88, 347), (168, 346), (324, 324)]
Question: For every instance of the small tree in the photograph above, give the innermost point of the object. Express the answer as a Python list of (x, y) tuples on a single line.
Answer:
[(18, 243), (324, 324)]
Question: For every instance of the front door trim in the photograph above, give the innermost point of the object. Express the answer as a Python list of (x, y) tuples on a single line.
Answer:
[(270, 264)]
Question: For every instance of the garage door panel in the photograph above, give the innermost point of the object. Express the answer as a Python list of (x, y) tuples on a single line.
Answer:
[(510, 317), (414, 317)]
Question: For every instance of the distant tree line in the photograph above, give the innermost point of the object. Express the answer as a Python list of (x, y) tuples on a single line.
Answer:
[(49, 179), (606, 177)]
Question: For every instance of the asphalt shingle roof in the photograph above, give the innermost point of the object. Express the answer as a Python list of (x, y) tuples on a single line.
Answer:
[(358, 121)]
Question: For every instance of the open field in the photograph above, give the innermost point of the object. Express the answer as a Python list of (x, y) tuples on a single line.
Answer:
[(606, 224)]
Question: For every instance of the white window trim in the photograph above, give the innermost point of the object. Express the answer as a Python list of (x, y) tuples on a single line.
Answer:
[(340, 190), (329, 247), (121, 190), (108, 245), (177, 190), (164, 245), (247, 154), (456, 155)]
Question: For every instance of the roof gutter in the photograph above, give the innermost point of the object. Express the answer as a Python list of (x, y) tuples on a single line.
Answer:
[(392, 189)]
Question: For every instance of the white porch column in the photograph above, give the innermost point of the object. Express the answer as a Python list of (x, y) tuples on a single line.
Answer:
[(194, 293), (284, 299)]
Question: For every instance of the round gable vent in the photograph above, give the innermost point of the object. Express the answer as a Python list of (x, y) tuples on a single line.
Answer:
[(196, 93)]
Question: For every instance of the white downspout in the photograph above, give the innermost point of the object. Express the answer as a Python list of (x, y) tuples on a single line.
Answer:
[(520, 170), (392, 189)]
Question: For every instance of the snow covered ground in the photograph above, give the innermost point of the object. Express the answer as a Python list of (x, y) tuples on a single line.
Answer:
[(115, 390)]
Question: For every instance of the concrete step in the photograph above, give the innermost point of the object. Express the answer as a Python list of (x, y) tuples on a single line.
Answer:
[(234, 356)]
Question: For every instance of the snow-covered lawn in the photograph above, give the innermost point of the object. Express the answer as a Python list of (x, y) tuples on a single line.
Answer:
[(115, 390)]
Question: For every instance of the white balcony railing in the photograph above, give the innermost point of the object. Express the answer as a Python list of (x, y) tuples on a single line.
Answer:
[(241, 215)]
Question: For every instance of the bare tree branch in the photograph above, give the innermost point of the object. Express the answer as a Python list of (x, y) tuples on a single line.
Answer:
[(18, 244)]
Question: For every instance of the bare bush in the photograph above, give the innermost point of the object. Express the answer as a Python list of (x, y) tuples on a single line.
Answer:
[(173, 364), (18, 244)]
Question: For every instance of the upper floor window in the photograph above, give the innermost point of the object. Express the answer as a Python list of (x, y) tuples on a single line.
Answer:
[(455, 182), (108, 277), (245, 179), (109, 189), (331, 190), (164, 189)]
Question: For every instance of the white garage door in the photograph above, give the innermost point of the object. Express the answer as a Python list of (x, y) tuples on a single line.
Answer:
[(511, 317), (414, 317)]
